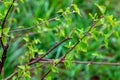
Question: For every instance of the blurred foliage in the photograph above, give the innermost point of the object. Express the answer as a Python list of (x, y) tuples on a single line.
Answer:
[(103, 42)]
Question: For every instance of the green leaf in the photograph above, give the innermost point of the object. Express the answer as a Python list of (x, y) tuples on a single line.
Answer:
[(40, 19), (56, 61), (7, 3), (111, 20), (83, 46), (117, 34), (26, 75), (60, 11), (101, 8), (15, 4), (36, 41), (68, 63), (26, 39), (49, 77), (18, 9), (21, 67), (97, 55), (5, 31), (67, 10), (21, 59), (81, 32), (20, 72), (91, 16), (54, 69), (106, 40), (101, 21), (4, 40), (1, 16), (76, 9), (62, 33), (22, 1), (47, 23)]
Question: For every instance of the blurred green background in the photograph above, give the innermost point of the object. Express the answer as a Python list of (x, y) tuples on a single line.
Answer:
[(26, 14)]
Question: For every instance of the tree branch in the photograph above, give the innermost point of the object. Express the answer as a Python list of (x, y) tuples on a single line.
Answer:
[(62, 58), (4, 21), (51, 19), (83, 62), (5, 47), (51, 49)]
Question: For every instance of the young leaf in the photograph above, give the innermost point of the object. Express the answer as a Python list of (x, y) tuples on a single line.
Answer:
[(76, 9), (101, 8), (5, 31), (60, 11), (54, 69), (83, 46), (22, 67), (26, 75), (4, 40), (68, 63)]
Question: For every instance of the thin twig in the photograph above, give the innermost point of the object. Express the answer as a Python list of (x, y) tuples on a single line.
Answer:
[(51, 19), (51, 49), (7, 14), (83, 62), (73, 61)]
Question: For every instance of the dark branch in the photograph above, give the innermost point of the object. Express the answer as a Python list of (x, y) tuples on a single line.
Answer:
[(5, 47), (3, 23)]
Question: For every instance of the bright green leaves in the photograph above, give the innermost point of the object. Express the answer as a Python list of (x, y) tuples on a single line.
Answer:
[(4, 40), (106, 36), (68, 10), (40, 19), (95, 33), (27, 75), (111, 20), (30, 45), (79, 32), (5, 31), (76, 9), (7, 3), (22, 1), (15, 4), (4, 34), (26, 39), (68, 63), (68, 45), (62, 33), (60, 11), (98, 55), (68, 60), (54, 69), (116, 33), (21, 59), (24, 71), (100, 21), (101, 8), (83, 46), (1, 16), (21, 67), (94, 17)]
